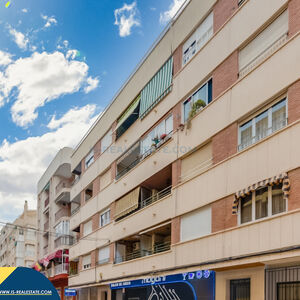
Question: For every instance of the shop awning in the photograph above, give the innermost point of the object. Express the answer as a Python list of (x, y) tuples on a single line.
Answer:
[(282, 178), (128, 203), (158, 87)]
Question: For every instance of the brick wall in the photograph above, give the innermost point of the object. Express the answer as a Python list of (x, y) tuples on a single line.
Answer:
[(114, 133), (176, 171), (80, 264), (96, 186), (95, 222), (113, 170), (225, 74), (294, 198), (177, 60), (224, 143), (294, 102), (223, 10), (294, 17), (221, 212), (81, 231), (112, 210), (82, 200), (93, 258), (83, 166), (175, 231), (176, 111), (112, 252), (97, 150)]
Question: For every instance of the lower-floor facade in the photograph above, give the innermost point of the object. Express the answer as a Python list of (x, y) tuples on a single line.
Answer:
[(269, 276)]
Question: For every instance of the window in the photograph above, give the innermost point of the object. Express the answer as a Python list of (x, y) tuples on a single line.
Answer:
[(157, 135), (106, 141), (262, 203), (204, 93), (196, 224), (198, 39), (105, 218), (30, 234), (103, 255), (86, 261), (264, 44), (288, 290), (21, 232), (263, 125), (62, 228), (89, 159), (87, 228), (240, 289), (88, 193)]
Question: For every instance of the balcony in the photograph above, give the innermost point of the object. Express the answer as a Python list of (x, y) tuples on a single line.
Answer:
[(63, 212), (61, 269), (46, 202), (149, 242), (46, 226), (64, 240), (62, 192)]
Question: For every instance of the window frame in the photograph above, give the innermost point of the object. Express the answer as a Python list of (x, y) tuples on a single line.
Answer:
[(106, 135), (106, 260), (83, 231), (269, 206), (107, 221), (87, 266), (89, 159), (237, 282), (267, 109)]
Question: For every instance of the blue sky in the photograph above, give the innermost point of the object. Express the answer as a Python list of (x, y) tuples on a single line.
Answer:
[(61, 62)]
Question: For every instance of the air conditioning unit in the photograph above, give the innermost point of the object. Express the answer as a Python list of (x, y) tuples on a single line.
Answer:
[(136, 246)]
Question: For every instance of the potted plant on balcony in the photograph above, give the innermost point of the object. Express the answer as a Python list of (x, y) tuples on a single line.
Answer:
[(163, 136), (196, 107)]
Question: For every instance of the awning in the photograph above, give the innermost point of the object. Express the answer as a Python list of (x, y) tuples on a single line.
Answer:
[(128, 203), (158, 87), (129, 111), (282, 178)]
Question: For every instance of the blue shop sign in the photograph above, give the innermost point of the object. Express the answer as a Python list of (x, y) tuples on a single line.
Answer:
[(70, 292)]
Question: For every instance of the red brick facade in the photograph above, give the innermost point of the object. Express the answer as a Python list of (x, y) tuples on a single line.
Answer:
[(93, 258), (225, 75), (112, 252), (176, 171), (96, 186), (95, 222), (224, 143), (177, 60), (294, 102), (221, 212), (294, 198), (294, 17), (176, 115), (82, 200), (175, 231), (97, 150), (223, 10), (113, 170)]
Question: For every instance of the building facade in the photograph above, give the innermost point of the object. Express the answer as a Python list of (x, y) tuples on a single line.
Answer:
[(187, 186), (53, 207), (18, 240)]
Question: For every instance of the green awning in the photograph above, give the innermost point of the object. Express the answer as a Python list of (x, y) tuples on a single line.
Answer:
[(129, 111), (158, 87)]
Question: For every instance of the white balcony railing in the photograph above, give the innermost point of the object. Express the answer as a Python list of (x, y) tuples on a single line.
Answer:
[(61, 269)]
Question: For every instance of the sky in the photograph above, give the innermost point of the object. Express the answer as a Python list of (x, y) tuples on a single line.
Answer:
[(61, 63)]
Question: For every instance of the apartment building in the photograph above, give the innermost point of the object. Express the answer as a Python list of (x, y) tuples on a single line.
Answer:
[(18, 240), (54, 208), (187, 186)]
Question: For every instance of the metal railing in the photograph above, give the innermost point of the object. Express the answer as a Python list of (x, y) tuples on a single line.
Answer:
[(158, 248), (75, 210), (61, 269), (62, 185), (128, 168), (63, 212), (64, 240)]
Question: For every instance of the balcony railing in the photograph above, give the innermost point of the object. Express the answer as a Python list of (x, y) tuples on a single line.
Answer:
[(63, 212), (75, 210), (64, 240), (158, 248), (62, 185), (61, 269)]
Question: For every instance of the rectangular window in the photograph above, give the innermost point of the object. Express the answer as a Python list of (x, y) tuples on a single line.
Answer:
[(264, 202), (157, 135), (198, 39), (204, 94), (240, 289), (62, 228), (288, 291), (264, 44), (103, 255), (106, 141), (267, 122), (87, 228), (246, 209), (105, 218), (89, 159), (86, 262)]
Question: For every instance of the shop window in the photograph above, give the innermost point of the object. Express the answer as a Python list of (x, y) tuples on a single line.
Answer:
[(240, 289)]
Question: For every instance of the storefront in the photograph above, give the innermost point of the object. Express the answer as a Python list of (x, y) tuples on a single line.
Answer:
[(198, 285)]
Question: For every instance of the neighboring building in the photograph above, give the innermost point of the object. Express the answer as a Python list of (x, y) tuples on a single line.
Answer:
[(190, 179), (53, 209), (18, 241)]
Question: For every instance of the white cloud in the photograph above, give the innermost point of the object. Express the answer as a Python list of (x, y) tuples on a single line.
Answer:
[(5, 58), (23, 162), (19, 38), (126, 17), (51, 76), (166, 16), (71, 54), (25, 10), (49, 20), (92, 83)]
